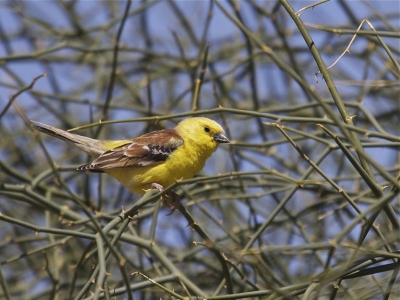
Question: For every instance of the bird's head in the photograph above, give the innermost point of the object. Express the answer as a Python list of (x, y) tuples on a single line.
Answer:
[(205, 132)]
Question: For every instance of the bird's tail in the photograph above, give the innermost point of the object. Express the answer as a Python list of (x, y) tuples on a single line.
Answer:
[(91, 146)]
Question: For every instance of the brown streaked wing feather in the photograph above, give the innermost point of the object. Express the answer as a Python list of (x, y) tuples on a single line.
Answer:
[(149, 149)]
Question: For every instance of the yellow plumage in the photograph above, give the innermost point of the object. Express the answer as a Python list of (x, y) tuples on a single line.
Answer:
[(160, 157)]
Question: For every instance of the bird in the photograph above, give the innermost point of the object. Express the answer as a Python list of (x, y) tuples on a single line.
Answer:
[(153, 160)]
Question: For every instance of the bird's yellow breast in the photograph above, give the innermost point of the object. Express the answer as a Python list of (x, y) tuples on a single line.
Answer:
[(184, 163)]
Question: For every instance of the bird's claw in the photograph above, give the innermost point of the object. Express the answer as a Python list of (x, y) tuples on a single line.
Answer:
[(175, 204), (166, 199)]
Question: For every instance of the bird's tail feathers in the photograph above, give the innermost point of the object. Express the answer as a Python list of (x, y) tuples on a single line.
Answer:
[(91, 146)]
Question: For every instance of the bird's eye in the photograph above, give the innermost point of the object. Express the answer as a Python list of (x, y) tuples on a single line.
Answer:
[(206, 129)]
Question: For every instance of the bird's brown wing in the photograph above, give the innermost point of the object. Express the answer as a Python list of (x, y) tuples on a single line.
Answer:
[(146, 150)]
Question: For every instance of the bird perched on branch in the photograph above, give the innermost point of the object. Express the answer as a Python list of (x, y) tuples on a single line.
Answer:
[(154, 160)]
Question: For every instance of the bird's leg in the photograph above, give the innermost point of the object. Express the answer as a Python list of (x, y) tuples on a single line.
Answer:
[(166, 199), (157, 186)]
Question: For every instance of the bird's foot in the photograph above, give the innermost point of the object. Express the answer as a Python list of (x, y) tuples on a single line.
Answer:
[(171, 199), (175, 203)]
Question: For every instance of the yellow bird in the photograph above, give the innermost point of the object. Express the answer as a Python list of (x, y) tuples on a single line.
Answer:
[(154, 160)]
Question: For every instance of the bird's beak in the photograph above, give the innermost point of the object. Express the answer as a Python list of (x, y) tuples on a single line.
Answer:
[(220, 138)]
